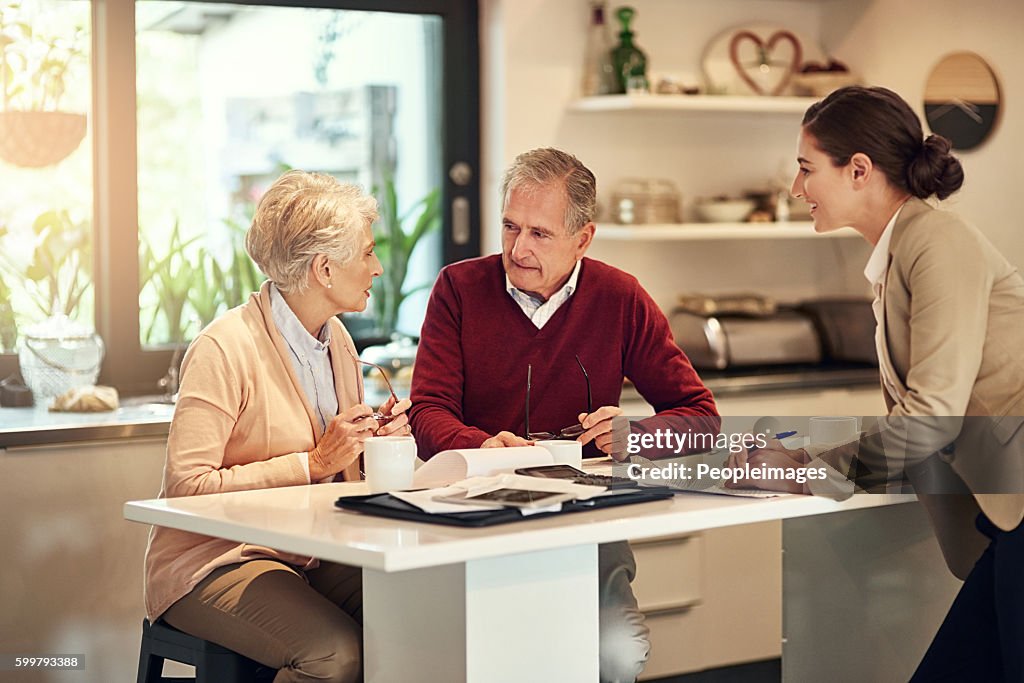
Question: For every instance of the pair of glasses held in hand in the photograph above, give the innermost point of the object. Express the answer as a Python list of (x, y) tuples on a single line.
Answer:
[(567, 433), (381, 418)]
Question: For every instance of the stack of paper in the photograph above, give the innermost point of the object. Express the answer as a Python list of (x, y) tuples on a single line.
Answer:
[(474, 486)]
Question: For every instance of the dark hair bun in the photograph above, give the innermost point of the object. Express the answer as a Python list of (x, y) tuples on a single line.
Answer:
[(934, 171)]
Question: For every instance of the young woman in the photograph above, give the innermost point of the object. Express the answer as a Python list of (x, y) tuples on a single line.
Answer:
[(950, 316)]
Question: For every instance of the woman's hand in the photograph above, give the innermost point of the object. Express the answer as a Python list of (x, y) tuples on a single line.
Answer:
[(775, 458), (342, 442), (399, 424), (739, 458)]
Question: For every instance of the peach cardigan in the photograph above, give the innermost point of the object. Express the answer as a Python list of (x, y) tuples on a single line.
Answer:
[(241, 422)]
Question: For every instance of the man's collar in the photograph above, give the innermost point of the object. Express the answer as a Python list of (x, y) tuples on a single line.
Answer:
[(569, 287)]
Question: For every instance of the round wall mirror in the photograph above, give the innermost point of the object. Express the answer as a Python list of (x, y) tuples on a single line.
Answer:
[(961, 99)]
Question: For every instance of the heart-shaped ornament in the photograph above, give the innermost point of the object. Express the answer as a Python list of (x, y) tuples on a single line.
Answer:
[(766, 65)]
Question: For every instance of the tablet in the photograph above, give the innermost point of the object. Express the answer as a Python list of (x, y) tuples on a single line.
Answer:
[(508, 497), (570, 473)]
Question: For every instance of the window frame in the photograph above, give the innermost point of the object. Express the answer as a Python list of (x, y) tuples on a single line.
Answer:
[(127, 365)]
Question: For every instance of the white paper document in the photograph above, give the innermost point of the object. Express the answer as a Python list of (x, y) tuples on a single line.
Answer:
[(450, 466)]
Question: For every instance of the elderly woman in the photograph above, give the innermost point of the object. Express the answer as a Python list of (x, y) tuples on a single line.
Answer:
[(270, 397)]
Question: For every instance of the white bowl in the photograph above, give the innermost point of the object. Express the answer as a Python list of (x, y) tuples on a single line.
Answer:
[(724, 210)]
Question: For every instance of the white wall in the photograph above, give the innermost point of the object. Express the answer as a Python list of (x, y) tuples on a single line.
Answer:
[(896, 43), (532, 56)]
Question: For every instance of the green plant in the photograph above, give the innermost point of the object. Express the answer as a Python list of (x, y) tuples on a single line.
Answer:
[(170, 276), (34, 67), (205, 293), (59, 272), (241, 277), (395, 247), (190, 283)]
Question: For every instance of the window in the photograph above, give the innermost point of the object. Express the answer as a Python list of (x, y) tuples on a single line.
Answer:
[(45, 165), (197, 106)]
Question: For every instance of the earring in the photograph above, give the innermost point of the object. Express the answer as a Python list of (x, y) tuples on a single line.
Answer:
[(329, 285)]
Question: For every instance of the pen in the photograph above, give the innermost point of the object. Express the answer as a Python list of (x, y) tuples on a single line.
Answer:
[(780, 436)]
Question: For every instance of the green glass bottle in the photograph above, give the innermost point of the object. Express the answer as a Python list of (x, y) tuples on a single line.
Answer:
[(629, 60)]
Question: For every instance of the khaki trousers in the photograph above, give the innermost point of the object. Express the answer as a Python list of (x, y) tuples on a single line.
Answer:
[(307, 625)]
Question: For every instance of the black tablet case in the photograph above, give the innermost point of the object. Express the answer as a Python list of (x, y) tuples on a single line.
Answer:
[(386, 505)]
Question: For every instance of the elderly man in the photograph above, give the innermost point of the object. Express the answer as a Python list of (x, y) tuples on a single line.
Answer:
[(542, 305)]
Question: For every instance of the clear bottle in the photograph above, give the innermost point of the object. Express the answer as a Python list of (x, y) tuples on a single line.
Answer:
[(629, 60), (598, 71)]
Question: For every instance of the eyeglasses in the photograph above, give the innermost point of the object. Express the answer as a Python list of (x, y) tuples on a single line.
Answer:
[(570, 432), (381, 418)]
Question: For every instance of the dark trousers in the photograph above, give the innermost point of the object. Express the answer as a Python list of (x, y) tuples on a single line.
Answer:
[(982, 637)]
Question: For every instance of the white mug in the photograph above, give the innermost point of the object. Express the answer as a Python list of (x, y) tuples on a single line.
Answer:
[(833, 429), (564, 452), (389, 462)]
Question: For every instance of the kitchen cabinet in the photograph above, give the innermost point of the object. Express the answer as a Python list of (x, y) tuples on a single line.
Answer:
[(711, 599), (76, 582), (715, 598)]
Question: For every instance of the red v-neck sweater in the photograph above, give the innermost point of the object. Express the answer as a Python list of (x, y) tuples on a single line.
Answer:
[(469, 382)]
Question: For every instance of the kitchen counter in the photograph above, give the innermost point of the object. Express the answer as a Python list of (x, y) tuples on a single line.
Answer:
[(38, 426), (747, 381), (790, 377)]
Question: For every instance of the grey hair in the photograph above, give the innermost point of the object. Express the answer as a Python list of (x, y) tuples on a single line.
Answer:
[(542, 167), (304, 214)]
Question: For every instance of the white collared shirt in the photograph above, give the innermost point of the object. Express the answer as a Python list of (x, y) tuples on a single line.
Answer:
[(311, 361), (540, 312), (875, 271)]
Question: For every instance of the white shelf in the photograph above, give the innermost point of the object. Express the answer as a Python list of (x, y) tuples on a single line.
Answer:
[(714, 103), (715, 231)]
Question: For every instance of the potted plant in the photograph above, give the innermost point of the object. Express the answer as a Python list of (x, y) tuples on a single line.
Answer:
[(59, 272), (34, 72), (395, 246), (57, 353)]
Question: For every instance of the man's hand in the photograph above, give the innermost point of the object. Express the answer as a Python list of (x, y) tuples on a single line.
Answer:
[(503, 439), (608, 434), (342, 442), (399, 426)]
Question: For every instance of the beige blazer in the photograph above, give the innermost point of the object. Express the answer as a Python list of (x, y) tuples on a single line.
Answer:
[(952, 339), (241, 422)]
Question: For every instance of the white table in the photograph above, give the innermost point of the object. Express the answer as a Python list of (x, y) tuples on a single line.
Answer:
[(513, 602)]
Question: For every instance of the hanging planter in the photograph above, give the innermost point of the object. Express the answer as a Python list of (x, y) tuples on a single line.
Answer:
[(35, 68), (34, 139)]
